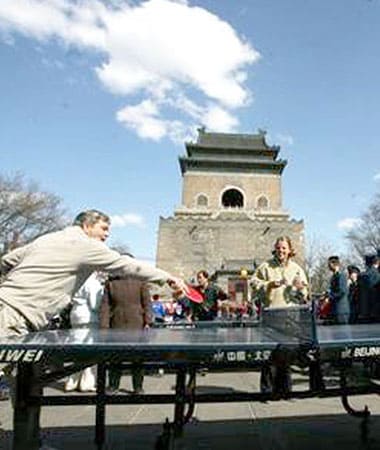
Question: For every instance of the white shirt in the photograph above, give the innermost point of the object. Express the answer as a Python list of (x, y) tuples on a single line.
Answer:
[(86, 302)]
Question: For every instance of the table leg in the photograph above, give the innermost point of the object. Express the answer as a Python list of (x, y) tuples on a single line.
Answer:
[(180, 393), (100, 413), (26, 417)]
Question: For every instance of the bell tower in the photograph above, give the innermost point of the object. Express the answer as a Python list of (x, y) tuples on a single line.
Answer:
[(231, 172), (231, 209)]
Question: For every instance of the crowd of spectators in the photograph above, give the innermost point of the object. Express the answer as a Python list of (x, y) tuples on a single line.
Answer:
[(353, 295)]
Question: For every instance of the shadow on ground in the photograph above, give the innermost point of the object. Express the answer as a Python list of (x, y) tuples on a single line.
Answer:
[(289, 433)]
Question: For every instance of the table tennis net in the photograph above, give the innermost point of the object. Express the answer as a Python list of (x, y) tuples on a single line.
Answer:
[(295, 321)]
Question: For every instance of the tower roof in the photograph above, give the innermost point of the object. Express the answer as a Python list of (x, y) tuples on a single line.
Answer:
[(233, 140), (231, 152)]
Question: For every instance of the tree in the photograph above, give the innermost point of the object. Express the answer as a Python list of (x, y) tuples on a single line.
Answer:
[(316, 267), (26, 212), (317, 253), (365, 237)]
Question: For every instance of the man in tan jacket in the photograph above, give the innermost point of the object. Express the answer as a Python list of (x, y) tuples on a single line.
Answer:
[(44, 275)]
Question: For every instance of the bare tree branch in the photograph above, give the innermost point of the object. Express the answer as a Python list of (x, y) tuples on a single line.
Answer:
[(26, 212), (365, 237)]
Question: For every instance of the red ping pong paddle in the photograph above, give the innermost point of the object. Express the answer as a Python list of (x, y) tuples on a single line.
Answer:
[(194, 295)]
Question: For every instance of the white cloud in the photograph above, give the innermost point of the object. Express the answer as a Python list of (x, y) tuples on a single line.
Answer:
[(376, 178), (162, 52), (348, 223), (146, 120), (124, 220), (219, 119), (155, 44), (75, 23)]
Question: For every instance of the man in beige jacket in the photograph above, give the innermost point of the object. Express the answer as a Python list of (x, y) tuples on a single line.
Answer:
[(45, 274)]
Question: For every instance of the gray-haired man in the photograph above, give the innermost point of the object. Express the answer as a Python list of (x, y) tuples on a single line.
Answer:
[(44, 275)]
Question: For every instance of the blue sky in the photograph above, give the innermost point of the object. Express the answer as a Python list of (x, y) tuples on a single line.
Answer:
[(98, 97)]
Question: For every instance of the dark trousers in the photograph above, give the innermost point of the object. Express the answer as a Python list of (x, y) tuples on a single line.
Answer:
[(116, 372), (276, 373)]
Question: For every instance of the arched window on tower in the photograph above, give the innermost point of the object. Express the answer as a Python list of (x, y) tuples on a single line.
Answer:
[(232, 198), (262, 202), (202, 201)]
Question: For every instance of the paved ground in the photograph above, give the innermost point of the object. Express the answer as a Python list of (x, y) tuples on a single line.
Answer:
[(286, 425)]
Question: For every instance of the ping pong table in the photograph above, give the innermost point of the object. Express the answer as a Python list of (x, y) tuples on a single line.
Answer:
[(281, 339)]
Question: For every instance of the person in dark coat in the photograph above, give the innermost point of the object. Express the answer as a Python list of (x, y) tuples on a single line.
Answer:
[(208, 309), (353, 292), (369, 291), (126, 304), (338, 292)]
